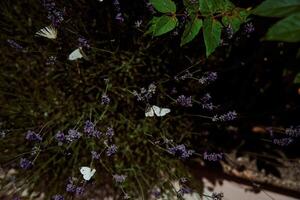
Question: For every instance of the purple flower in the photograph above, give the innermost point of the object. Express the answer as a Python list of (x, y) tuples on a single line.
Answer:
[(228, 30), (51, 60), (95, 155), (213, 156), (184, 101), (79, 191), (156, 192), (249, 28), (119, 17), (184, 190), (54, 15), (110, 132), (180, 151), (231, 115), (32, 136), (105, 100), (25, 163), (14, 45), (208, 78), (83, 42), (119, 178), (111, 150), (57, 197), (70, 187), (73, 135), (89, 127), (60, 136), (293, 131), (16, 198), (283, 141)]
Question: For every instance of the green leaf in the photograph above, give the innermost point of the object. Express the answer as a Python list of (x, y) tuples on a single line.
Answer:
[(277, 8), (164, 6), (191, 30), (287, 29), (162, 25), (212, 34), (297, 79), (192, 7), (236, 19), (210, 7)]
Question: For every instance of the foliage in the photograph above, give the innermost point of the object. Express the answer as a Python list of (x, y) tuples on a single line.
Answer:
[(288, 28), (212, 14)]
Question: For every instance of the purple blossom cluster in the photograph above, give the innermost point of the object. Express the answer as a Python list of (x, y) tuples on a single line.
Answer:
[(55, 15), (184, 190), (228, 30), (119, 16), (180, 151), (111, 150), (51, 60), (83, 42), (283, 141), (95, 155), (249, 28), (208, 78), (119, 178), (14, 45), (206, 102), (72, 188), (185, 101), (110, 132), (60, 137), (293, 131), (156, 192), (90, 129), (57, 197), (25, 163), (72, 135), (105, 100), (32, 136), (231, 115), (213, 156), (145, 94)]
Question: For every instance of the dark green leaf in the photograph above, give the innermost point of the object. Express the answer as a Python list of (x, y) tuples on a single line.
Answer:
[(297, 79), (210, 7), (162, 25), (212, 34), (164, 6), (191, 30), (277, 8), (236, 19), (191, 6), (287, 29)]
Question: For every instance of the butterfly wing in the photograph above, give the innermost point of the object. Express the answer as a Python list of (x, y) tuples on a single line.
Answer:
[(87, 173), (149, 112), (76, 54), (159, 112)]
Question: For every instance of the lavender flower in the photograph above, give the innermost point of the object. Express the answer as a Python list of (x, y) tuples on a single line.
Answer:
[(110, 132), (54, 15), (35, 150), (60, 136), (79, 190), (83, 42), (231, 115), (25, 163), (184, 190), (105, 100), (73, 135), (138, 23), (51, 60), (119, 178), (213, 156), (283, 141), (228, 30), (208, 78), (14, 45), (156, 192), (145, 95), (293, 132), (95, 155), (70, 187), (184, 101), (119, 17), (32, 136), (111, 150), (57, 197), (89, 127), (249, 28), (181, 151)]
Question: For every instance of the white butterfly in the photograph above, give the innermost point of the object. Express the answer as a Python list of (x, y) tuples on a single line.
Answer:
[(49, 32), (87, 173), (77, 54), (159, 112)]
